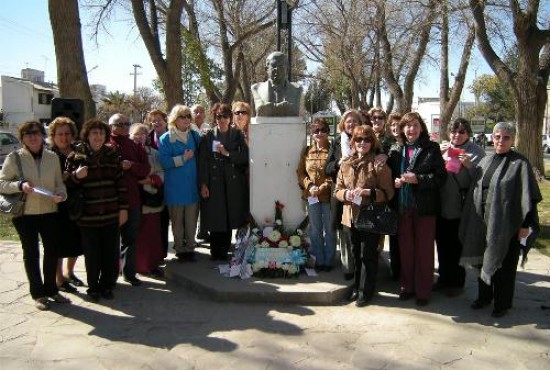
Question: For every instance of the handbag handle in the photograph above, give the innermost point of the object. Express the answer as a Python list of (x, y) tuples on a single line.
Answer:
[(20, 169)]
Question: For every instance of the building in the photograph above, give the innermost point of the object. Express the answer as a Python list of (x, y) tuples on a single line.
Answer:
[(26, 98), (429, 109)]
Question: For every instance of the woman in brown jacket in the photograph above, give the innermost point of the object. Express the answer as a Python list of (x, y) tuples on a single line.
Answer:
[(360, 180), (317, 188)]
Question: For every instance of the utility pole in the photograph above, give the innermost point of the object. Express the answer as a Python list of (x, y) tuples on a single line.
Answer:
[(135, 74)]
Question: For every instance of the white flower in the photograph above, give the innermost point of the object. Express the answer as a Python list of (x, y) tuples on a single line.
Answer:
[(265, 244), (275, 236), (255, 230), (285, 266), (295, 241), (283, 244), (292, 269), (279, 221), (299, 232)]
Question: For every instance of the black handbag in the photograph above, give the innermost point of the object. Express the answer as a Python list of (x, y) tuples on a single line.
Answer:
[(377, 219), (152, 200), (14, 204)]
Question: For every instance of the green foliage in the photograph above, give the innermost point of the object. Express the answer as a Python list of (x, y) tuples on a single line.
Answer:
[(7, 231), (496, 99), (317, 97)]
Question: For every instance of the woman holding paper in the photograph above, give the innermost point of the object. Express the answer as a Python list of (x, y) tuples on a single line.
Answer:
[(498, 214), (42, 182), (362, 180), (223, 163), (461, 157), (316, 190)]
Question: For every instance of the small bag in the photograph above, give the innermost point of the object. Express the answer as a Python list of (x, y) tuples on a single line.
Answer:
[(14, 204), (377, 219), (152, 200)]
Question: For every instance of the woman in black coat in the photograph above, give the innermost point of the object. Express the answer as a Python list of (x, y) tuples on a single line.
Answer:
[(223, 160)]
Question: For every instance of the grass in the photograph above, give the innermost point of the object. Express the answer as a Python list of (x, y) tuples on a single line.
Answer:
[(7, 231)]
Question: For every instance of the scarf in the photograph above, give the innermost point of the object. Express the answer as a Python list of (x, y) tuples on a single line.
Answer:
[(345, 142), (177, 135), (406, 196)]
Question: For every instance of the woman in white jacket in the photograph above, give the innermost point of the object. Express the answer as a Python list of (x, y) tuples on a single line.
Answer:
[(43, 185)]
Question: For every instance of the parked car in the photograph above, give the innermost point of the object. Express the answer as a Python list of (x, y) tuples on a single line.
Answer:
[(546, 143), (8, 143)]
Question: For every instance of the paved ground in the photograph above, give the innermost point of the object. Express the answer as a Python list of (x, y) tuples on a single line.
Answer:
[(164, 326)]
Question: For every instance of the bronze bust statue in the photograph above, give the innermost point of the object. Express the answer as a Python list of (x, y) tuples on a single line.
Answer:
[(277, 97)]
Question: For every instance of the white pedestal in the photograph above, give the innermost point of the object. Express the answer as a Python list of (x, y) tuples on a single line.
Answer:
[(275, 147)]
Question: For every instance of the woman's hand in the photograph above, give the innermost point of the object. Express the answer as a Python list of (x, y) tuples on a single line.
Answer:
[(81, 172), (188, 154), (314, 191), (523, 233), (221, 149), (27, 187), (409, 178), (398, 183), (380, 159), (146, 181), (465, 160), (444, 146), (205, 193), (58, 198)]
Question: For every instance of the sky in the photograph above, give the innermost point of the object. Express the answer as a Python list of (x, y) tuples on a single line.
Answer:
[(26, 38)]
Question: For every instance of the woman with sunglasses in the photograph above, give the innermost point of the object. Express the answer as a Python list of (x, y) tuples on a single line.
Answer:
[(362, 180), (461, 156), (499, 215), (241, 117), (419, 172), (41, 175), (223, 161), (316, 191), (378, 119), (178, 150), (340, 150)]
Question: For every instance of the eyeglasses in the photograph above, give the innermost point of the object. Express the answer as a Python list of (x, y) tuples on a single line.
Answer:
[(222, 116), (185, 116), (460, 132), (378, 118), (122, 124), (363, 139), (63, 134), (501, 138), (319, 131), (240, 113), (32, 133)]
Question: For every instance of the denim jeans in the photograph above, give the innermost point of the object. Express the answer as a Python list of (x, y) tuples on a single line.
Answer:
[(323, 237)]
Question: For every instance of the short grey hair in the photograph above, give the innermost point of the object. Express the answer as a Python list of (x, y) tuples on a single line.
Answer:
[(508, 127), (115, 118)]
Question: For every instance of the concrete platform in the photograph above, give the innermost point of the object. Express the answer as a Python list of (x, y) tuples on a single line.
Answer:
[(203, 277)]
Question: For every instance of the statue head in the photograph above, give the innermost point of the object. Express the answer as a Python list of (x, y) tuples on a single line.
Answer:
[(276, 67)]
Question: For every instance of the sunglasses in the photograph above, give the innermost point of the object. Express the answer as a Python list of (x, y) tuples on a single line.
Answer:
[(240, 113), (123, 124), (222, 116), (319, 131), (460, 132), (32, 133), (378, 118), (185, 116), (363, 139)]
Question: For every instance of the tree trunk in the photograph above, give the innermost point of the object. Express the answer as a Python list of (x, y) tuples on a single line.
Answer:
[(72, 77)]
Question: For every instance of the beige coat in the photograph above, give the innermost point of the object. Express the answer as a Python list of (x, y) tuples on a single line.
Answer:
[(311, 172), (46, 174), (362, 173)]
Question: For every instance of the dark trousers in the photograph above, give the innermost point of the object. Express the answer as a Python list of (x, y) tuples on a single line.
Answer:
[(503, 282), (164, 226), (365, 249), (449, 250), (102, 255), (128, 233), (219, 244), (416, 247), (395, 259), (29, 228)]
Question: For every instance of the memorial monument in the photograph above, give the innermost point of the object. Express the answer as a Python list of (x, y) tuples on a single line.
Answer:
[(277, 136)]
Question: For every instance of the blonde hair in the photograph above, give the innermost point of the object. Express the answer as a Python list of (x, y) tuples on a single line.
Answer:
[(136, 127), (353, 112), (60, 122), (177, 111)]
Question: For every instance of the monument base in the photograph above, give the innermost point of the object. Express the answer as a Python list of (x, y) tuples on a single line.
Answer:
[(275, 147)]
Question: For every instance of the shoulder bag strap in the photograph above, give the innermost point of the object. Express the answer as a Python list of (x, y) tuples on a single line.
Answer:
[(20, 169)]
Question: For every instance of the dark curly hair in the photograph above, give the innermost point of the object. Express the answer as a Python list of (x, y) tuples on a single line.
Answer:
[(91, 124)]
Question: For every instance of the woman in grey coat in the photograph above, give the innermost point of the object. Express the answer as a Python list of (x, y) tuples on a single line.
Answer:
[(499, 214)]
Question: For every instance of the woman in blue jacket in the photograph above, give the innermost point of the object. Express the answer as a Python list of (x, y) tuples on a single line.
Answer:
[(178, 153)]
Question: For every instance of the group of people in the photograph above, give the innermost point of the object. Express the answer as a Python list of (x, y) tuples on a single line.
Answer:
[(478, 210), (112, 193)]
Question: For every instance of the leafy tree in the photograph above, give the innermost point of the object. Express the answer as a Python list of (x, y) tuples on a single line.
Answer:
[(496, 98)]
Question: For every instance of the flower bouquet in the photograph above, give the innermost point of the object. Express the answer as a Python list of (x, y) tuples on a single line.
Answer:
[(271, 251)]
